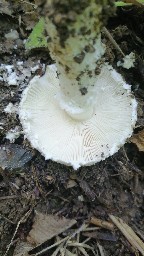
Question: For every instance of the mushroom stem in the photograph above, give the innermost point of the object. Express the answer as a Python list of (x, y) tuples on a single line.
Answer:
[(75, 45)]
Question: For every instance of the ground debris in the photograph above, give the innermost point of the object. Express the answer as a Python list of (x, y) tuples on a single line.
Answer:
[(13, 134), (87, 190), (67, 246), (5, 7), (30, 19), (114, 185), (13, 156), (138, 139), (46, 227), (11, 108), (101, 235), (128, 61), (12, 35), (71, 183), (22, 249), (130, 235), (102, 223), (22, 220)]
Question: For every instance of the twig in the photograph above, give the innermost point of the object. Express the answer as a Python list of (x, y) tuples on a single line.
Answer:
[(130, 235), (5, 218), (49, 247), (125, 154), (78, 240), (34, 5), (83, 251), (8, 197), (55, 253), (80, 245), (80, 229), (91, 229), (113, 41), (61, 247), (71, 244), (58, 248), (22, 220), (100, 249), (102, 223), (68, 253), (86, 240), (37, 181)]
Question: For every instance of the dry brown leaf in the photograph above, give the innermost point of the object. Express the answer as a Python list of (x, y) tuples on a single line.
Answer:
[(138, 139), (47, 226), (71, 184)]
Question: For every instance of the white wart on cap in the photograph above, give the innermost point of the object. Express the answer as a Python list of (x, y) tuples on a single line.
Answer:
[(73, 142)]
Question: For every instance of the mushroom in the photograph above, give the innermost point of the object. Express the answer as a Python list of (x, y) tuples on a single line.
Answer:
[(80, 111)]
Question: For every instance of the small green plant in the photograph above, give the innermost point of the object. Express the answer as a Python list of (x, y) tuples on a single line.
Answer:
[(121, 4), (127, 3), (37, 37)]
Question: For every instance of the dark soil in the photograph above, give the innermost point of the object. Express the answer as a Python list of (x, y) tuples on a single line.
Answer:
[(114, 186)]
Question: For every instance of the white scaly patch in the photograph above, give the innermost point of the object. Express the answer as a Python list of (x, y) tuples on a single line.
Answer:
[(128, 61), (13, 134)]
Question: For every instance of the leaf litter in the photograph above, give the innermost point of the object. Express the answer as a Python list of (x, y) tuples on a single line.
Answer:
[(46, 227)]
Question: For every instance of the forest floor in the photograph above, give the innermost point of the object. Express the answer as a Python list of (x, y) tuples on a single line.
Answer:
[(31, 186)]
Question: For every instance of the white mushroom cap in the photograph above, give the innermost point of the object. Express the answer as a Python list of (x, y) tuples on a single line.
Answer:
[(72, 142)]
